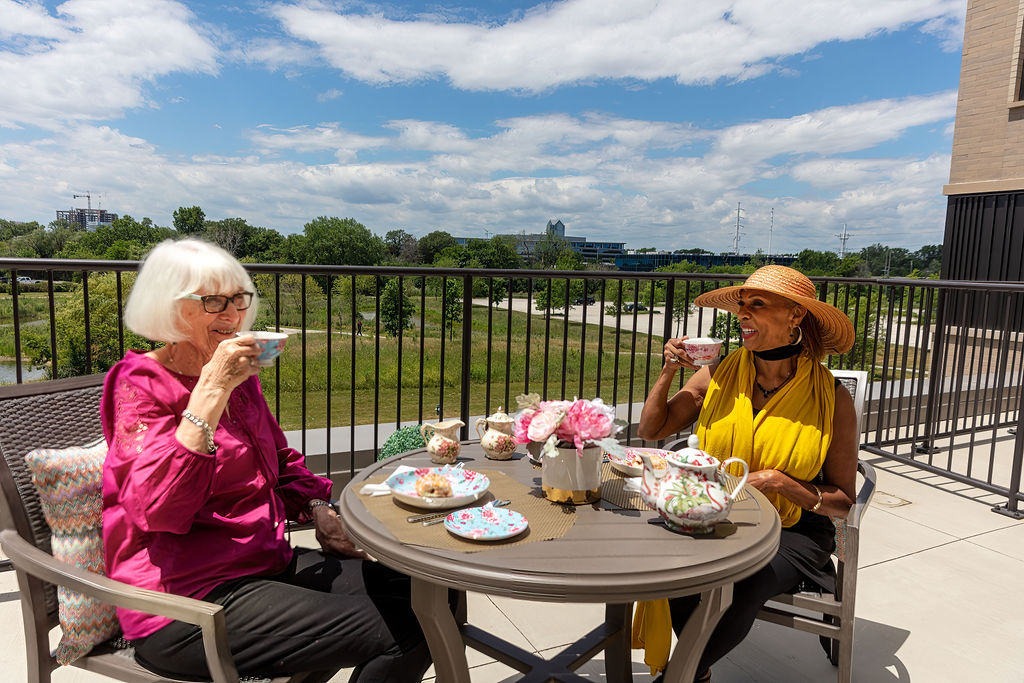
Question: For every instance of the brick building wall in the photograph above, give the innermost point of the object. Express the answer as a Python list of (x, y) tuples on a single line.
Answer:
[(988, 136)]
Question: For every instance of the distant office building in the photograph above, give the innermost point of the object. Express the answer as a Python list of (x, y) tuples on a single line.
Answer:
[(526, 244), (87, 219), (652, 260)]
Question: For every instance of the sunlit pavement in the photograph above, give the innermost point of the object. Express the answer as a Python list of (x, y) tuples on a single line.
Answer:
[(939, 599)]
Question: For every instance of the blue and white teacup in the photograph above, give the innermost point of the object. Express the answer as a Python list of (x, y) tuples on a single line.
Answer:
[(271, 344)]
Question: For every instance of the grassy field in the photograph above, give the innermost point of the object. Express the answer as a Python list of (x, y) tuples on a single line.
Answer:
[(365, 376), (365, 379)]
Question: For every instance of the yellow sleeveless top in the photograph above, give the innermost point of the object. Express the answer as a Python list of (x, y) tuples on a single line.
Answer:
[(791, 433)]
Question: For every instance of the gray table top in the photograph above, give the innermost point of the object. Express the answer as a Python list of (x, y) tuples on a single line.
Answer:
[(609, 555)]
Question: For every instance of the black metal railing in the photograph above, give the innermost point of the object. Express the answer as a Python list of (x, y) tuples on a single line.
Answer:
[(944, 358)]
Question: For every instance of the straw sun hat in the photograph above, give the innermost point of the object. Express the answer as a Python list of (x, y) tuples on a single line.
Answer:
[(837, 331)]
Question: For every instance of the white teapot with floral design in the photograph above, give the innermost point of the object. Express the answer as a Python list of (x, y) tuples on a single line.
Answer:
[(496, 437), (688, 494)]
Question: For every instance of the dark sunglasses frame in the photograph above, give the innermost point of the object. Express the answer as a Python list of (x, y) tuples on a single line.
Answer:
[(211, 301)]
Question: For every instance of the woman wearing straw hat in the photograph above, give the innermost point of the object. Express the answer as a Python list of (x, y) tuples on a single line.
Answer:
[(772, 403)]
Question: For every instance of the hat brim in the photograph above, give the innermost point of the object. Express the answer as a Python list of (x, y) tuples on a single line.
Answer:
[(837, 332)]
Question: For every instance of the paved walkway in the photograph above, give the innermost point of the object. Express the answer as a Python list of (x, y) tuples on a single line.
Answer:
[(939, 600)]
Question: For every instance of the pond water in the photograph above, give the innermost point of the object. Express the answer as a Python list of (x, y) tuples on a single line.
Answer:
[(8, 376)]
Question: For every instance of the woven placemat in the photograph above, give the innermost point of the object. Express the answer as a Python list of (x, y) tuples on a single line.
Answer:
[(612, 483), (547, 520)]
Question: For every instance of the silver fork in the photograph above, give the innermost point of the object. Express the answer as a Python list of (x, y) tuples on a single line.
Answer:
[(438, 517)]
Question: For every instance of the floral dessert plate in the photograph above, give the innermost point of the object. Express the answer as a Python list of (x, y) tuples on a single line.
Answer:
[(466, 486), (485, 523), (631, 465)]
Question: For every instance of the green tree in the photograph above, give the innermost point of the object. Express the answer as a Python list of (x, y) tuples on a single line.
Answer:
[(233, 234), (72, 352), (811, 262), (401, 246), (265, 245), (189, 220), (549, 249), (396, 309), (433, 243), (341, 241), (453, 304), (726, 327)]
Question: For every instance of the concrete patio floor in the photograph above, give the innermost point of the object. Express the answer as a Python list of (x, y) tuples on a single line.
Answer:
[(939, 599)]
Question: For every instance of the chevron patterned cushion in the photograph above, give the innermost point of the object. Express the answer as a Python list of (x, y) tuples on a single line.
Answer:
[(70, 485)]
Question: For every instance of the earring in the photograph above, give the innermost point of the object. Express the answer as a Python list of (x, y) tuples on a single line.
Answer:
[(799, 336)]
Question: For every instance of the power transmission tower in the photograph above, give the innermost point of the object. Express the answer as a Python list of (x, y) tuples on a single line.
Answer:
[(771, 226), (736, 237), (842, 241)]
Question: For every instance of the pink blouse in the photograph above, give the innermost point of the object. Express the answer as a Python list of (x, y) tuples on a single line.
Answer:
[(180, 521)]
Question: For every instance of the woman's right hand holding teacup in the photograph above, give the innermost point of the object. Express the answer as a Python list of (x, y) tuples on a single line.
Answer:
[(233, 362), (676, 356)]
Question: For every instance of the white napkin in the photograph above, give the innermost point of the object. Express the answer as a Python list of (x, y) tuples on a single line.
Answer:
[(631, 484), (382, 489)]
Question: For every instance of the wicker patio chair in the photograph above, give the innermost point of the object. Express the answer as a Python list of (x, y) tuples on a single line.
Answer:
[(61, 414)]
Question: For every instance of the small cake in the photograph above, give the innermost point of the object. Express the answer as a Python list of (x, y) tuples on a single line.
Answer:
[(433, 485)]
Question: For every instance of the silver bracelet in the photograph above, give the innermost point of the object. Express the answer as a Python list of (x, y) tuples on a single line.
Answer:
[(211, 447)]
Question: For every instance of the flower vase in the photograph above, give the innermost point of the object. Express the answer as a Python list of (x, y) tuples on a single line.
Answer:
[(571, 478)]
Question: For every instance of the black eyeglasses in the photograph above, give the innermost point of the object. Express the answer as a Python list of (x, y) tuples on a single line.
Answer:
[(215, 303)]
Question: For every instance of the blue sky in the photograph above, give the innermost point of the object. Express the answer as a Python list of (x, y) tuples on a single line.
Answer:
[(639, 121)]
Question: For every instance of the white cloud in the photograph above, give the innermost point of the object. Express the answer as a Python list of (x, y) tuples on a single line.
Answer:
[(835, 129), (576, 41), (307, 139), (651, 183), (329, 95), (93, 60), (28, 21)]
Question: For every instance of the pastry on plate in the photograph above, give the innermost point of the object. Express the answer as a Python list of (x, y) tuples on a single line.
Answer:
[(433, 485)]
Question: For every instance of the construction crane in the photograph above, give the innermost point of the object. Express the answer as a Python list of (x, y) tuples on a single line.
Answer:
[(88, 199)]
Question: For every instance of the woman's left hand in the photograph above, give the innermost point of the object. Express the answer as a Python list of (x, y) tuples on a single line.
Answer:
[(330, 533)]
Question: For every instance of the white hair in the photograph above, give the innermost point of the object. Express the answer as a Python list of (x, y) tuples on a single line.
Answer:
[(171, 271)]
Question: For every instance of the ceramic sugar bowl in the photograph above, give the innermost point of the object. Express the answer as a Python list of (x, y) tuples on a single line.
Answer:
[(496, 435), (442, 440), (689, 494)]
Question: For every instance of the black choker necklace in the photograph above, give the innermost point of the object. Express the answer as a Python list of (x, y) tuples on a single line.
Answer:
[(779, 353)]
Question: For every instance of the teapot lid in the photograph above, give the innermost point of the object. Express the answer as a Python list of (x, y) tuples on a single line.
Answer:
[(499, 416), (693, 450)]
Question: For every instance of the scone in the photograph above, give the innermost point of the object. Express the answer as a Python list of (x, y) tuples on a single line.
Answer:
[(433, 485)]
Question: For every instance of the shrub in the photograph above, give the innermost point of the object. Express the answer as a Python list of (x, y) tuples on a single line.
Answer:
[(403, 440)]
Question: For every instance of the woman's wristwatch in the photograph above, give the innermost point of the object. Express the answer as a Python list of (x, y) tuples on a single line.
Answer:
[(317, 502)]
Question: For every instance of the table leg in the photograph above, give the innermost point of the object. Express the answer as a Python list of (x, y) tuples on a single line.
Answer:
[(682, 667), (618, 665), (430, 603)]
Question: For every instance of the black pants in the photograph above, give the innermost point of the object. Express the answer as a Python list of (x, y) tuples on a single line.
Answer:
[(808, 544), (322, 613)]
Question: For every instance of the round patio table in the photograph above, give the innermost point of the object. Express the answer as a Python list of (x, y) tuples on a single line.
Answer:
[(610, 555)]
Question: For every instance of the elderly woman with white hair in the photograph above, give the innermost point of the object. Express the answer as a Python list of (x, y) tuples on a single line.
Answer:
[(199, 483)]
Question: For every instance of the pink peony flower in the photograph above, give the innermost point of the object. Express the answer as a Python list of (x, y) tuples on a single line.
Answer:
[(523, 424), (579, 422), (586, 421), (544, 424)]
